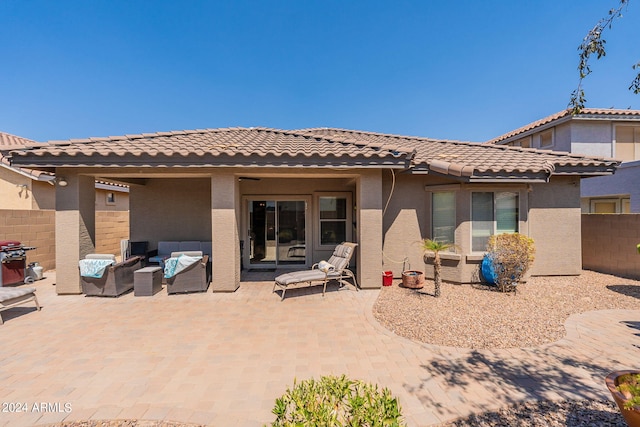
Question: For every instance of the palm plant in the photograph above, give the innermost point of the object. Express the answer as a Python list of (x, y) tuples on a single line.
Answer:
[(436, 247)]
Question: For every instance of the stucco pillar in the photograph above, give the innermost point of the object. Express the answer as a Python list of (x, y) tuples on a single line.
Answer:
[(369, 208), (224, 232), (75, 228)]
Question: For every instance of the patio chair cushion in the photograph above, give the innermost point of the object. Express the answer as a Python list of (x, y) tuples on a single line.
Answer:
[(179, 262), (11, 293), (94, 265)]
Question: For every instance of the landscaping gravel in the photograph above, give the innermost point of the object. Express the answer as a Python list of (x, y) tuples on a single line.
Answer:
[(578, 413), (480, 317)]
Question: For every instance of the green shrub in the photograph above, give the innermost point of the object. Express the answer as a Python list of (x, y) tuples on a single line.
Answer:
[(629, 386), (512, 255), (336, 401)]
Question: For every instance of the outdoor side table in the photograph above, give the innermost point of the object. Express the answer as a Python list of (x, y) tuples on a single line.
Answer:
[(147, 281)]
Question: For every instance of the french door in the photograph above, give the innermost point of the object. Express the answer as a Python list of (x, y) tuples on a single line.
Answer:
[(277, 232)]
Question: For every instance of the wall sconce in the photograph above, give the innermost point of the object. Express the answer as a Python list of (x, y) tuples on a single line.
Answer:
[(62, 181)]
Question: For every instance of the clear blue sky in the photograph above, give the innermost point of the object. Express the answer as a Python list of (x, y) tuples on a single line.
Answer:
[(466, 70)]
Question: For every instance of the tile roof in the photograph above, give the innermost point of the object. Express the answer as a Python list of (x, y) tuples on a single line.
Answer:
[(11, 142), (481, 161), (314, 147), (587, 113), (213, 147)]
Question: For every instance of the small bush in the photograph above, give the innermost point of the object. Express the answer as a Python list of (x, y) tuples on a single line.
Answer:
[(336, 401), (629, 386), (512, 255)]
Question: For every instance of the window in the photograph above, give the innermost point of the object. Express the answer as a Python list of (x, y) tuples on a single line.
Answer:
[(492, 213), (443, 216), (546, 138), (523, 142), (111, 198), (627, 143), (334, 219), (610, 206)]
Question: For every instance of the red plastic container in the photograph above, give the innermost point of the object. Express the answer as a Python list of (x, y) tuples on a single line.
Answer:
[(387, 278)]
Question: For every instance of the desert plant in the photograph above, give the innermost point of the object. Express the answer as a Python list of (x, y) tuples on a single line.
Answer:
[(434, 246), (629, 386), (511, 254), (336, 401)]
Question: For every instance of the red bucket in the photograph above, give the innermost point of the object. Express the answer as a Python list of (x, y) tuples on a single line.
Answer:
[(387, 278)]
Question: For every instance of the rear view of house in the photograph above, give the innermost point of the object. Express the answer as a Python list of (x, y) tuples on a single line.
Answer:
[(278, 199)]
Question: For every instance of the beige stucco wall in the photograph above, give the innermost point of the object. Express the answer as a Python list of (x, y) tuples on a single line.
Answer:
[(609, 244), (549, 213), (15, 190), (555, 227), (170, 209), (121, 200)]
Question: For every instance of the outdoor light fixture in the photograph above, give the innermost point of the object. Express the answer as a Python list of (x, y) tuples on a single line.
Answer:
[(62, 181)]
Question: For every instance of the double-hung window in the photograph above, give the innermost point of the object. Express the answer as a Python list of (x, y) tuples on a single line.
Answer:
[(492, 213), (443, 216), (335, 219)]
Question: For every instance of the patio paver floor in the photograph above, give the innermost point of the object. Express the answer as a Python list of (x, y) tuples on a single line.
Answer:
[(222, 359)]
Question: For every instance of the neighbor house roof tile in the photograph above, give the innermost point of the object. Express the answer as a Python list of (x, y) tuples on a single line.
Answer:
[(10, 142), (585, 113)]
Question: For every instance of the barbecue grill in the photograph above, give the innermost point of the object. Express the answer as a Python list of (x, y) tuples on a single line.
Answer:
[(13, 257)]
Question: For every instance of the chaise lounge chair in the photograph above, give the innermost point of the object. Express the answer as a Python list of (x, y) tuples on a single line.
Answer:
[(12, 297), (333, 269)]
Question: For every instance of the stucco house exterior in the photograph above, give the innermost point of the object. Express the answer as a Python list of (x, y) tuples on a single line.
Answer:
[(595, 132), (282, 199)]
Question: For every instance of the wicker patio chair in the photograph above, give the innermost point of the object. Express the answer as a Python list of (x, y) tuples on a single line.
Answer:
[(116, 280)]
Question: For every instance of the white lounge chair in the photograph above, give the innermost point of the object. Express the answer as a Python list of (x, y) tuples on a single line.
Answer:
[(336, 268), (11, 297)]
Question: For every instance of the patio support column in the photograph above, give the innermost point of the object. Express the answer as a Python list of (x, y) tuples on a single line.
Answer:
[(224, 232), (75, 228), (369, 208)]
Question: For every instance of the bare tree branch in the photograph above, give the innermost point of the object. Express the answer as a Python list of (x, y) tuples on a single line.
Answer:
[(593, 43)]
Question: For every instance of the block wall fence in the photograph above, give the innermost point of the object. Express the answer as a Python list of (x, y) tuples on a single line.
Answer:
[(609, 244), (37, 228)]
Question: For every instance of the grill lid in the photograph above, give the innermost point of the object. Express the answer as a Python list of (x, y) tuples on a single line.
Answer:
[(5, 244)]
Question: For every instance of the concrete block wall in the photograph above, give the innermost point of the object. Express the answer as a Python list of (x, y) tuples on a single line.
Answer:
[(31, 228), (111, 227), (609, 244), (37, 228)]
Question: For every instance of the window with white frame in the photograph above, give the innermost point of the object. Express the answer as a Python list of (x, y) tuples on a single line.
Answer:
[(610, 205), (492, 213), (443, 216), (334, 215)]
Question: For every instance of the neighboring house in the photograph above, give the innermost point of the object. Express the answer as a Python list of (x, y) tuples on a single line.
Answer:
[(27, 189), (594, 132), (283, 199)]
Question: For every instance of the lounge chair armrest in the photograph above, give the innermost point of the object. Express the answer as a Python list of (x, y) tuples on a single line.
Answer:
[(314, 266)]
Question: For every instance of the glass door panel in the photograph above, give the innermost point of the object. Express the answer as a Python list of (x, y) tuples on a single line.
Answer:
[(291, 232), (277, 233)]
